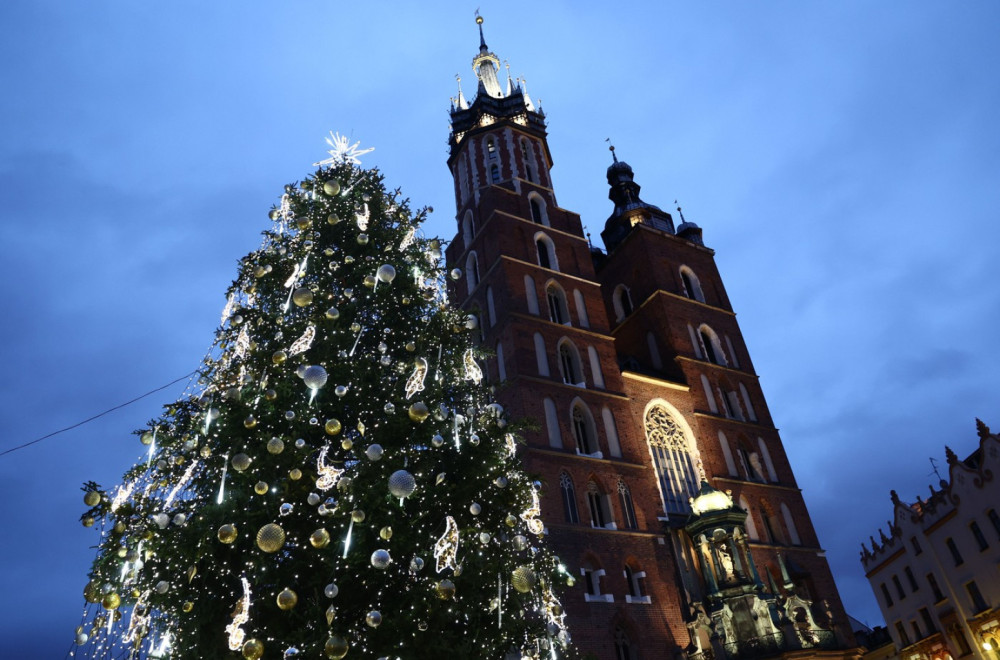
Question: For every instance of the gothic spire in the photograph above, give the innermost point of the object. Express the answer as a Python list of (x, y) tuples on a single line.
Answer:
[(486, 65)]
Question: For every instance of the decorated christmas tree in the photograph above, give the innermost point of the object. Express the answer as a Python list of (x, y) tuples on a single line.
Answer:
[(338, 483)]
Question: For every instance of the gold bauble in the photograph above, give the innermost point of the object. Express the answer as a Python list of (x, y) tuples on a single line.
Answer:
[(119, 527), (510, 520), (187, 606), (260, 487), (295, 474), (523, 579), (406, 300), (227, 533), (240, 462), (112, 601), (418, 411), (336, 647), (410, 347), (253, 649), (250, 422), (275, 445), (146, 438), (92, 593), (91, 498), (385, 533), (369, 281), (270, 538), (122, 552), (358, 515), (332, 426), (287, 599), (88, 522), (331, 187), (302, 297), (303, 223), (347, 443), (259, 271), (279, 357), (332, 219), (270, 394), (445, 589), (320, 538)]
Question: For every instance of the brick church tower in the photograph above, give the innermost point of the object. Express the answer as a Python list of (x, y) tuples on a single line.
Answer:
[(667, 491)]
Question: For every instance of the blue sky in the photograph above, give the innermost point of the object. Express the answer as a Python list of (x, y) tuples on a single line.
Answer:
[(843, 159)]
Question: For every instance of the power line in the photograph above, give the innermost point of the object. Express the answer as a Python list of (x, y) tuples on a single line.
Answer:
[(90, 419)]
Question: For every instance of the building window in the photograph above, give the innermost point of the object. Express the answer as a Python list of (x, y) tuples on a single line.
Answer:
[(491, 148), (904, 639), (628, 509), (472, 271), (494, 173), (912, 580), (491, 309), (536, 211), (569, 364), (917, 636), (558, 308), (546, 252), (623, 647), (636, 587), (995, 520), (935, 589), (928, 621), (793, 533), (672, 459), (468, 228), (978, 603), (899, 587), (541, 358), (710, 346), (526, 155), (583, 430), (568, 498), (953, 549), (886, 595), (592, 582), (600, 510), (978, 534), (961, 642), (692, 287), (916, 546), (530, 294), (622, 301)]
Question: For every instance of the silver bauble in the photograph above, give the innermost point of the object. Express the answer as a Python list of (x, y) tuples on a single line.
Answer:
[(402, 484), (385, 273), (314, 377), (381, 559)]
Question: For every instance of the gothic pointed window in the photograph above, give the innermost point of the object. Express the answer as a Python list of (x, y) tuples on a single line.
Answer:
[(494, 173), (491, 148), (628, 509), (600, 510), (692, 287), (536, 211), (583, 430), (569, 364), (527, 156), (710, 346), (672, 459), (622, 301), (472, 271), (546, 252), (558, 308), (623, 646), (569, 498)]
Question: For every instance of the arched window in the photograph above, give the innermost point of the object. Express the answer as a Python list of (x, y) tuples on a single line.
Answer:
[(536, 210), (472, 271), (790, 524), (710, 346), (692, 287), (592, 575), (468, 228), (595, 367), (558, 309), (491, 310), (552, 424), (635, 580), (746, 400), (569, 364), (527, 155), (772, 526), (708, 394), (600, 510), (728, 455), (611, 433), (530, 294), (494, 173), (766, 455), (546, 252), (540, 357), (568, 498), (491, 148), (501, 367), (622, 301), (581, 309), (732, 353), (672, 458), (583, 430), (750, 524), (628, 509), (623, 646), (463, 178)]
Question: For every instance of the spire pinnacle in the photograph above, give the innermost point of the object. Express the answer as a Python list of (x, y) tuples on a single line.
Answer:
[(482, 40), (486, 65), (679, 212), (611, 148)]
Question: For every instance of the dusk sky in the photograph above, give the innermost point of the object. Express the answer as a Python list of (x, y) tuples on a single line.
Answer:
[(843, 159)]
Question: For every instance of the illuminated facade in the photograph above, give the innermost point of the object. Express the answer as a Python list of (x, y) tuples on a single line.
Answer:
[(935, 575), (634, 367)]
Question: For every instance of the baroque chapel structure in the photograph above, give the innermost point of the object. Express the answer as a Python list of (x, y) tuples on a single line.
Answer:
[(667, 491)]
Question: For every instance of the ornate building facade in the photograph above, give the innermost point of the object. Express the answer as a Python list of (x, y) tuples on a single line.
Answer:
[(935, 575), (667, 492)]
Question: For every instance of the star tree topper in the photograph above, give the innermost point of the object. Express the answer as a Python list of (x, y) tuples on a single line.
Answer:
[(342, 151)]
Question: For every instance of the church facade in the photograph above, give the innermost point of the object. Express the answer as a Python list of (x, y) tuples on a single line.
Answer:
[(667, 491)]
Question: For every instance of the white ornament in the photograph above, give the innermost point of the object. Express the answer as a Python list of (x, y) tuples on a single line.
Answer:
[(240, 616), (328, 475), (342, 151), (472, 370), (446, 548), (415, 383), (303, 343)]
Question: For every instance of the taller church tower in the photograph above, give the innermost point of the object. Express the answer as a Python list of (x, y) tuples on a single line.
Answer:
[(667, 491)]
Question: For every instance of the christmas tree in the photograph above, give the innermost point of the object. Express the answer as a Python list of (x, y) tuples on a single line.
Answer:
[(338, 483)]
